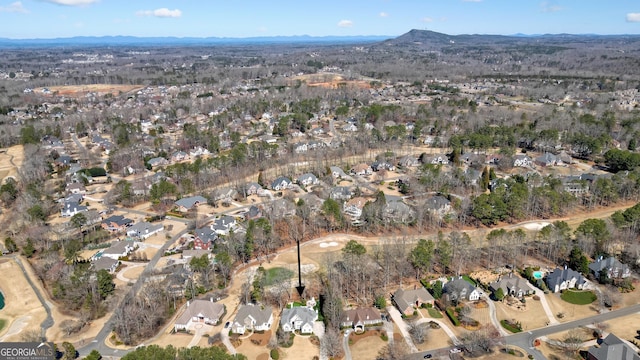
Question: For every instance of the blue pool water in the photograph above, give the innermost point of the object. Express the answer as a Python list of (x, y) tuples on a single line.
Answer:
[(537, 274)]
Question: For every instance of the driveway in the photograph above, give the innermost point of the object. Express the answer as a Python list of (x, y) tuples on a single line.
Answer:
[(493, 315), (224, 336), (443, 326), (546, 307), (397, 318), (345, 345), (199, 331)]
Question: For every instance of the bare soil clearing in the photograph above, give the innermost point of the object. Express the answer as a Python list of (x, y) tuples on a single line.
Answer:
[(81, 90)]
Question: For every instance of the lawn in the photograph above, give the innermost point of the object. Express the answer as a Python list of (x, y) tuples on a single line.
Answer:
[(3, 322), (276, 275), (434, 313), (578, 297)]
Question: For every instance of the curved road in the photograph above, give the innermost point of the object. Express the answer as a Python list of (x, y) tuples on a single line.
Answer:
[(48, 321), (99, 342)]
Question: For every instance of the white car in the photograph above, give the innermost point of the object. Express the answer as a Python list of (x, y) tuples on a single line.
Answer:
[(455, 351)]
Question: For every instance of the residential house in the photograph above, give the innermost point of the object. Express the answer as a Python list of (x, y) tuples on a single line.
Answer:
[(282, 208), (204, 238), (198, 151), (63, 160), (472, 158), (575, 185), (74, 198), (224, 224), (350, 128), (354, 207), (144, 230), (188, 203), (361, 169), (252, 317), (71, 208), (409, 161), (224, 194), (612, 348), (382, 165), (512, 286), (438, 160), (307, 179), (340, 193), (438, 205), (312, 201), (157, 161), (522, 161), (459, 289), (547, 159), (359, 318), (398, 211), (300, 147), (281, 183), (299, 318), (612, 266), (179, 156), (408, 300), (76, 188), (337, 172), (565, 278), (116, 223), (199, 312), (253, 213), (118, 250), (105, 263), (251, 188)]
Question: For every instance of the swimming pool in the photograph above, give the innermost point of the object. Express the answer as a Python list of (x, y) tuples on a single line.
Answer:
[(537, 274)]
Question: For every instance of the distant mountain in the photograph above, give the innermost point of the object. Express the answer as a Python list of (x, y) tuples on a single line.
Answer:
[(159, 41), (436, 39)]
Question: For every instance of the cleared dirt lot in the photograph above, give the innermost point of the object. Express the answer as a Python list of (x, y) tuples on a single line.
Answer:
[(80, 90)]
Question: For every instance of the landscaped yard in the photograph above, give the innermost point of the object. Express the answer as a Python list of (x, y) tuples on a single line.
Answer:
[(434, 313), (578, 297)]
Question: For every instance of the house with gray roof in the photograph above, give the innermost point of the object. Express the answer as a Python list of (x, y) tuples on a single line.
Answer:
[(547, 159), (105, 263), (512, 286), (459, 289), (204, 238), (612, 348), (118, 249), (281, 183), (71, 208), (337, 172), (116, 223), (565, 278), (307, 179), (188, 203), (252, 317), (298, 318), (199, 312), (612, 266), (144, 230), (157, 161), (223, 224), (359, 318), (340, 193), (409, 300)]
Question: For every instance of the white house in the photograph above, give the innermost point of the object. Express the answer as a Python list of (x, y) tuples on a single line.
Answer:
[(252, 317), (199, 311), (144, 230), (298, 318)]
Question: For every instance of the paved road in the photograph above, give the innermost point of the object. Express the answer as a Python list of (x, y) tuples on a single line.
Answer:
[(99, 342), (524, 340)]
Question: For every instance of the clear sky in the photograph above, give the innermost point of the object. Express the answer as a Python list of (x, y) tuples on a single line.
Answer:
[(246, 18)]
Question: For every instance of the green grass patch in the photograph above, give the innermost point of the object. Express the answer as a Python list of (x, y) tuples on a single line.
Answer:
[(578, 297), (510, 327), (469, 280), (276, 275), (3, 323), (434, 313), (452, 316)]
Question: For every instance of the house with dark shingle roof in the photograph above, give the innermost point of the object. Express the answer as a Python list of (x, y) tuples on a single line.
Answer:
[(614, 268), (252, 317), (116, 223), (204, 238), (188, 203), (409, 300), (281, 183), (565, 278), (512, 285), (612, 348), (459, 289)]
